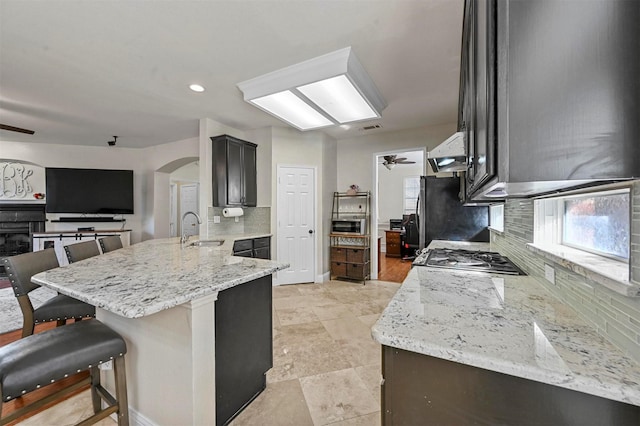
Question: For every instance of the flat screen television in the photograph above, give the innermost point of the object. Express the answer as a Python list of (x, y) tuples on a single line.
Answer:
[(89, 191)]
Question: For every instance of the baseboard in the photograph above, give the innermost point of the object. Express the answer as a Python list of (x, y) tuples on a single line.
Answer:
[(323, 277)]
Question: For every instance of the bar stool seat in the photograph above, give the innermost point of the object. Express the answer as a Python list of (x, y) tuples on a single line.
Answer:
[(44, 358)]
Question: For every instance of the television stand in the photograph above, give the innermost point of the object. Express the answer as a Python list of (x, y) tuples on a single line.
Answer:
[(87, 219)]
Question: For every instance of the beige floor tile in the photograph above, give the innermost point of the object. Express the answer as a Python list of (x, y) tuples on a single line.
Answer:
[(309, 289), (280, 403), (371, 375), (333, 311), (289, 336), (288, 316), (307, 300), (336, 396), (369, 320), (366, 307), (285, 291), (360, 352), (347, 328), (319, 357), (372, 419), (283, 367)]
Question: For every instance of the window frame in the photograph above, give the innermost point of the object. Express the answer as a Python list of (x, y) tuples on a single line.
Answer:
[(404, 194), (549, 217), (563, 212)]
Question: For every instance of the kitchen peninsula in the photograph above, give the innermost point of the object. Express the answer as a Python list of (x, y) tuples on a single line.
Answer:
[(467, 347), (177, 308)]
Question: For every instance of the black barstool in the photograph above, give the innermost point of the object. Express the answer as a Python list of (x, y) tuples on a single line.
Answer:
[(47, 357)]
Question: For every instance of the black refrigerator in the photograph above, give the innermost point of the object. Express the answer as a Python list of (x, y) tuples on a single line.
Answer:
[(442, 216)]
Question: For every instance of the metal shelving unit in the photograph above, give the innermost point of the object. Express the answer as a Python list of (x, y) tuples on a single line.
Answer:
[(351, 254)]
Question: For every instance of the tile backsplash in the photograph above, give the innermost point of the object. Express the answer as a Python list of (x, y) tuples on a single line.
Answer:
[(256, 220), (614, 316)]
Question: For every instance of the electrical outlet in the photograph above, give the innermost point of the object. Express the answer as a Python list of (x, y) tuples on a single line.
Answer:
[(550, 273), (216, 219), (237, 219)]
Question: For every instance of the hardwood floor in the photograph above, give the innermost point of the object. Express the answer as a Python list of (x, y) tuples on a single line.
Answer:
[(18, 403), (393, 269)]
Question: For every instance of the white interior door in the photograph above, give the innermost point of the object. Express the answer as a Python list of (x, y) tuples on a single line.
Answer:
[(296, 224), (189, 202)]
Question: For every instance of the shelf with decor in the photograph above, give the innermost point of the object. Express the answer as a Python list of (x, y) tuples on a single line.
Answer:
[(350, 243)]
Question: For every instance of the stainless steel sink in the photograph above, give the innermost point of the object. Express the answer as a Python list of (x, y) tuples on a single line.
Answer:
[(207, 243)]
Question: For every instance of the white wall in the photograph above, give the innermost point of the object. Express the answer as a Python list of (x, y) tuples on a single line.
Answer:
[(314, 149), (143, 162), (391, 190), (355, 154)]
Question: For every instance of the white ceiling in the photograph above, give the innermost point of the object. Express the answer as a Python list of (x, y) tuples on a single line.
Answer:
[(79, 72)]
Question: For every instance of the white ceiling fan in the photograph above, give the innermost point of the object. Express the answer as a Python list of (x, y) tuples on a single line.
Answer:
[(390, 161)]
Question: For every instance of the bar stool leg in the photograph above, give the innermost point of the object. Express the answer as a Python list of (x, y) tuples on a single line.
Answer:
[(96, 401), (119, 371)]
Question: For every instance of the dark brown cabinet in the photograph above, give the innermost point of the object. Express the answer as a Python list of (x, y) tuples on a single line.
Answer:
[(394, 243), (259, 248), (234, 172), (549, 95)]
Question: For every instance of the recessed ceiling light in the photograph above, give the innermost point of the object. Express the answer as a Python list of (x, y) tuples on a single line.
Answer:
[(196, 88)]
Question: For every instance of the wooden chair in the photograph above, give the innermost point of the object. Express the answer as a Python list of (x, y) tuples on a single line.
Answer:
[(81, 251), (44, 358), (111, 243), (60, 308)]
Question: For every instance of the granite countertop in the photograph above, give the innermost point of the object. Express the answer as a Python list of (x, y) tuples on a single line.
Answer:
[(154, 275), (503, 323)]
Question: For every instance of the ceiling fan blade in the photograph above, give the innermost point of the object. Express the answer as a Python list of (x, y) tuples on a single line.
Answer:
[(398, 159), (16, 129), (405, 162)]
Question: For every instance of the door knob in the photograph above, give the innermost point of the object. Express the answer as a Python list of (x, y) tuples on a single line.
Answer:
[(311, 231)]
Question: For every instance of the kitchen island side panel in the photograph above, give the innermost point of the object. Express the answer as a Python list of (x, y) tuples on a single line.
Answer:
[(420, 389)]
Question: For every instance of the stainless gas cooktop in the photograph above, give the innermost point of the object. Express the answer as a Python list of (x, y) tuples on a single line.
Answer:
[(469, 260)]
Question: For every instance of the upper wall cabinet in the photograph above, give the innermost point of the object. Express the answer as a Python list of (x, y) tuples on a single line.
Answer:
[(551, 99), (234, 172)]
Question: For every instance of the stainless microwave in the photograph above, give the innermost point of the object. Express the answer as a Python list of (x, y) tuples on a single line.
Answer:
[(349, 226)]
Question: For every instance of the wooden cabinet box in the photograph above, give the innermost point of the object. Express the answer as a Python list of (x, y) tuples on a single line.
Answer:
[(234, 172), (393, 243)]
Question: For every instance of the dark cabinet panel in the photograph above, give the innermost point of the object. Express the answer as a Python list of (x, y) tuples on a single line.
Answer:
[(549, 95), (259, 248), (234, 174), (244, 351), (424, 390)]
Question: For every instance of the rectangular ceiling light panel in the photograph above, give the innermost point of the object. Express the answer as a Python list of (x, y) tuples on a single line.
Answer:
[(290, 108), (339, 98), (324, 91)]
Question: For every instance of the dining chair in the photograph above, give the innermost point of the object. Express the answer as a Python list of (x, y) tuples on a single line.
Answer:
[(60, 308), (81, 251), (111, 243)]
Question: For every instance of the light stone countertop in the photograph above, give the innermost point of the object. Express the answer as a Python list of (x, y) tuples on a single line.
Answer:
[(504, 323), (155, 275)]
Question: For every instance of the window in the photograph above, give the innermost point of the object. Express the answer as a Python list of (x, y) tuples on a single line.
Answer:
[(599, 224), (411, 192), (496, 217)]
